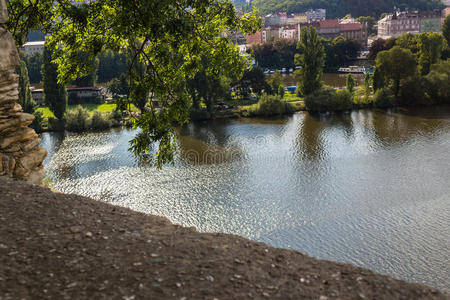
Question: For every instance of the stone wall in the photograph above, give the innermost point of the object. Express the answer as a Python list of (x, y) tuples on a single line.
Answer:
[(21, 156)]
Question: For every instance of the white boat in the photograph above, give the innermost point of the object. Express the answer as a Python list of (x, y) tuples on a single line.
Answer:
[(352, 69)]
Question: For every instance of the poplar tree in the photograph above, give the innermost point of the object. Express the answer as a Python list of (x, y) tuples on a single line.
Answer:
[(55, 94), (311, 60), (25, 99)]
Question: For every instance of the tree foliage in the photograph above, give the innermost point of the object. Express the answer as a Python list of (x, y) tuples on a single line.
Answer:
[(276, 54), (25, 99), (172, 38), (446, 29), (311, 60), (340, 8), (395, 65), (253, 80), (350, 83), (431, 45), (55, 93), (34, 66)]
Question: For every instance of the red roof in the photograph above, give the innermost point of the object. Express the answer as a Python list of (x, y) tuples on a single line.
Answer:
[(350, 27), (329, 23)]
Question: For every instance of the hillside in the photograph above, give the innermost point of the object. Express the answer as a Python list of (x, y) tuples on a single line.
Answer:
[(339, 8)]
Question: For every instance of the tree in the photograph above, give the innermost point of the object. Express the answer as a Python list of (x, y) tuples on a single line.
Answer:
[(281, 91), (431, 45), (369, 22), (311, 60), (275, 81), (173, 37), (408, 41), (91, 78), (377, 46), (396, 65), (34, 66), (25, 99), (367, 79), (446, 30), (55, 94), (350, 83), (253, 79), (111, 65)]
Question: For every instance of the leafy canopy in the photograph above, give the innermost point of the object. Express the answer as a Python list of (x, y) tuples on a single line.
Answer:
[(169, 37)]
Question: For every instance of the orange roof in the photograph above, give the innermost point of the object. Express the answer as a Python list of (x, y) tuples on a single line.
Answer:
[(329, 23)]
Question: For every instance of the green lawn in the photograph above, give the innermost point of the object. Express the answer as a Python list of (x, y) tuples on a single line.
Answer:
[(289, 97), (103, 108)]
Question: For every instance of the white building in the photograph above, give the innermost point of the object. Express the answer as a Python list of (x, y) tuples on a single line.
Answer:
[(316, 15), (31, 48), (287, 33)]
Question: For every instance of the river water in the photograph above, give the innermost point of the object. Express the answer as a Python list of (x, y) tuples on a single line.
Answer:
[(369, 188)]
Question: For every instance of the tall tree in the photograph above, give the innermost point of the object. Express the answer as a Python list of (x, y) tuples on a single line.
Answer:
[(34, 66), (55, 94), (25, 99), (173, 37), (431, 45), (350, 83), (396, 65), (446, 30), (311, 60)]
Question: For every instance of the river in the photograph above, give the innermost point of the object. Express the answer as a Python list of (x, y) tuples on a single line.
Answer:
[(370, 187)]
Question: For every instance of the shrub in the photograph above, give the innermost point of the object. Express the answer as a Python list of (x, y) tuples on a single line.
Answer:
[(383, 98), (329, 100), (37, 122), (412, 92), (269, 105), (99, 121), (77, 119), (281, 91)]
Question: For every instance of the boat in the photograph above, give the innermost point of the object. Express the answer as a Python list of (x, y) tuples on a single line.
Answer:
[(352, 69)]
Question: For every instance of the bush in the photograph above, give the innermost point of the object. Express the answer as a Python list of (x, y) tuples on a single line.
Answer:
[(77, 119), (37, 122), (437, 83), (383, 98), (412, 92), (98, 121), (269, 105), (329, 100)]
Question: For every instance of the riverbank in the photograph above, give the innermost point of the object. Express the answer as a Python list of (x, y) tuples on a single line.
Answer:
[(56, 246)]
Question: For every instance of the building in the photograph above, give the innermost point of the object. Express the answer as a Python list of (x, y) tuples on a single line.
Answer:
[(415, 22), (270, 34), (430, 21), (398, 24), (255, 38), (289, 33), (86, 94), (446, 12), (329, 29), (38, 96), (352, 29), (315, 15), (31, 48)]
